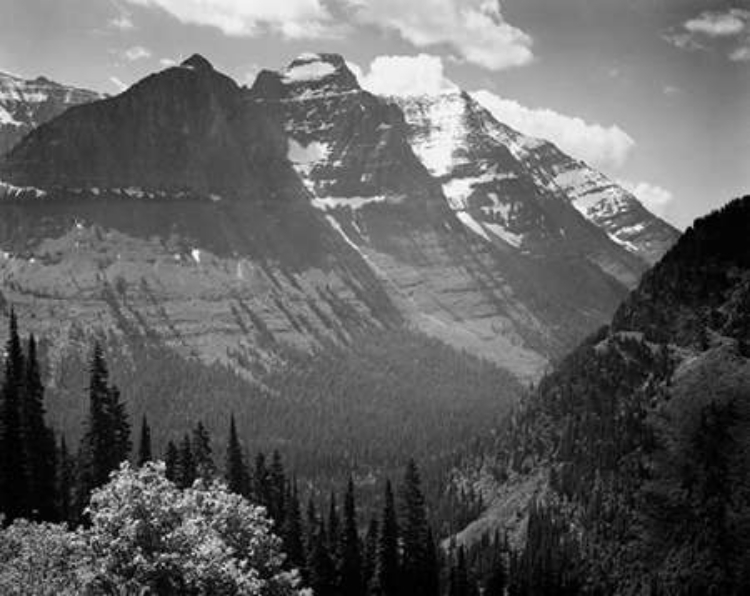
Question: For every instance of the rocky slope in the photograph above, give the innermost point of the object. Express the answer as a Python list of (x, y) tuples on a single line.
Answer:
[(465, 239), (25, 104), (489, 172), (171, 210)]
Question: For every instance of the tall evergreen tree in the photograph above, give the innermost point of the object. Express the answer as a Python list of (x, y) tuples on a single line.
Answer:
[(321, 566), (276, 488), (13, 469), (351, 555), (202, 453), (388, 578), (171, 461), (235, 469), (186, 472), (65, 484), (416, 578), (39, 447), (294, 545), (370, 554), (261, 490), (144, 445), (106, 440)]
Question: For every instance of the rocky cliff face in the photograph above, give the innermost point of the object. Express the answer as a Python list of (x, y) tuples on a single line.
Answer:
[(236, 224), (466, 238), (171, 211), (25, 104)]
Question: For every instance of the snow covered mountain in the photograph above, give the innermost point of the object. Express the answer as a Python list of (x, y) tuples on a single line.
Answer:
[(25, 104), (476, 247), (460, 143), (235, 224)]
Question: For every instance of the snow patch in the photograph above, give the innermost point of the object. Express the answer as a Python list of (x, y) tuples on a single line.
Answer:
[(7, 119), (472, 224), (505, 235), (196, 254), (458, 190), (354, 203)]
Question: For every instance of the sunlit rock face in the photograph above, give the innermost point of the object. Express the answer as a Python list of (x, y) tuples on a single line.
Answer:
[(25, 104)]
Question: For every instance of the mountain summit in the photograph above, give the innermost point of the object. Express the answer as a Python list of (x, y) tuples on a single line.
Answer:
[(307, 76)]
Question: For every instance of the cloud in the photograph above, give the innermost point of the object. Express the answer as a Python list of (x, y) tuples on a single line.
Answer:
[(713, 30), (654, 198), (719, 24), (740, 54), (122, 22), (474, 31), (404, 75), (136, 53), (167, 62), (118, 84), (603, 147), (293, 19)]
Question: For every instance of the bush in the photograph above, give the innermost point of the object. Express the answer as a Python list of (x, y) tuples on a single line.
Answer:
[(149, 537)]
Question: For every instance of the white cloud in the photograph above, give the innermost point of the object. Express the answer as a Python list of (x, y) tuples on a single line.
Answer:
[(741, 54), (404, 75), (118, 84), (167, 62), (719, 24), (713, 30), (603, 147), (122, 22), (475, 31), (136, 53), (294, 19), (654, 198)]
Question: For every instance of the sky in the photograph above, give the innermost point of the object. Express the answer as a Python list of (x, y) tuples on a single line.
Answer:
[(654, 93)]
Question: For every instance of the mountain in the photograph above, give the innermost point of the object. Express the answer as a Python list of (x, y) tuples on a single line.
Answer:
[(25, 104), (488, 171), (286, 251), (465, 235), (635, 447)]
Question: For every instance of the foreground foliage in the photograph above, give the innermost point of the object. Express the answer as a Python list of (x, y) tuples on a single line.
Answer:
[(149, 537)]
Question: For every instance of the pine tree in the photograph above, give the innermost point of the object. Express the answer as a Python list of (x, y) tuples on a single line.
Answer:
[(334, 529), (321, 566), (388, 576), (171, 461), (415, 534), (38, 441), (294, 545), (370, 555), (186, 473), (202, 453), (13, 469), (65, 484), (144, 445), (261, 490), (351, 555), (235, 469), (276, 488), (106, 441), (416, 578)]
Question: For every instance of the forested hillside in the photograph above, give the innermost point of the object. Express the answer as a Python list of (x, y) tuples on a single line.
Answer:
[(642, 436)]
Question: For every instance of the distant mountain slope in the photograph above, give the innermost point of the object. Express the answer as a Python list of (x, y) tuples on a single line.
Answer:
[(490, 171), (25, 104), (459, 273), (638, 441)]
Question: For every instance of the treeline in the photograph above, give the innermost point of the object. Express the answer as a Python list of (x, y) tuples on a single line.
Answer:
[(337, 550)]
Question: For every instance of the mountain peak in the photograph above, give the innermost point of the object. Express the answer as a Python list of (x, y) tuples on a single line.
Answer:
[(308, 75), (197, 62)]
